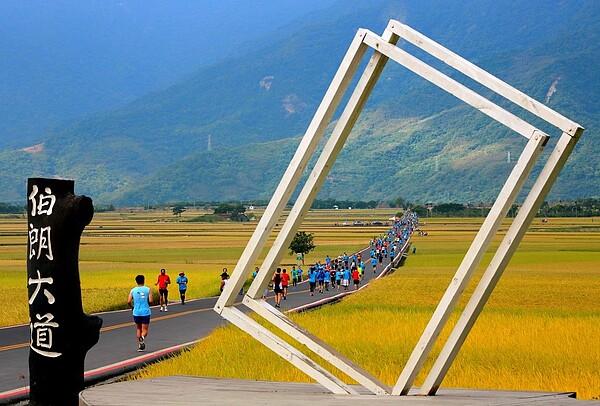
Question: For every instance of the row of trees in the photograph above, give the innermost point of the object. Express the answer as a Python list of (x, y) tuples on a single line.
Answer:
[(233, 211), (453, 210), (9, 208), (579, 208)]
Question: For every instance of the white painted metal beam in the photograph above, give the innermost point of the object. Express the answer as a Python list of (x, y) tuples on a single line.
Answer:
[(299, 162), (286, 351), (315, 180), (292, 176), (450, 85), (318, 346), (485, 78), (463, 275), (503, 255), (385, 48), (323, 166)]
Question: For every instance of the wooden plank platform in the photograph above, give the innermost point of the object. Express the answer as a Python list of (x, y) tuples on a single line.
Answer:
[(193, 390)]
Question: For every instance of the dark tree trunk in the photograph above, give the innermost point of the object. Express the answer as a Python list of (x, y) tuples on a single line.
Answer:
[(61, 334)]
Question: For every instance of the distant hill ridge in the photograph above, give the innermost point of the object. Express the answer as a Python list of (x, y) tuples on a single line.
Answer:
[(412, 140)]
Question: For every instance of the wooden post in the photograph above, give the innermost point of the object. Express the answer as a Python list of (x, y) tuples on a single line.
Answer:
[(61, 334)]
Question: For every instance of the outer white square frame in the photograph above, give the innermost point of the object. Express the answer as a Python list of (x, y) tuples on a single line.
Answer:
[(385, 48)]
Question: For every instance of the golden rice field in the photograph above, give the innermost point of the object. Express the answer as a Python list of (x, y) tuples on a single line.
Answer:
[(539, 330), (117, 246)]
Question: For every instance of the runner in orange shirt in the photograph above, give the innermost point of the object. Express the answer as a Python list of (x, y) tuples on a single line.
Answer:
[(285, 280), (163, 289)]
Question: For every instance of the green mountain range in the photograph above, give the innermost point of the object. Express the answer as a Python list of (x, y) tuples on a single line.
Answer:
[(228, 131)]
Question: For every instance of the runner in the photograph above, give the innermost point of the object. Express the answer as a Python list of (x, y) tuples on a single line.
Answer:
[(312, 280), (285, 280), (163, 289), (346, 278), (321, 278), (332, 278), (182, 281), (139, 300), (355, 277), (294, 276), (277, 287), (338, 278)]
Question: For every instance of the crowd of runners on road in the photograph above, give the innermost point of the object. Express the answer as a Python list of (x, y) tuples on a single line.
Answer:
[(345, 271), (330, 274)]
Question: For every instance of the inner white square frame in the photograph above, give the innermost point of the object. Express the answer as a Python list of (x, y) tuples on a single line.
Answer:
[(384, 49)]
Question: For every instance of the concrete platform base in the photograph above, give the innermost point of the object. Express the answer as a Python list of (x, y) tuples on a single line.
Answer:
[(193, 390)]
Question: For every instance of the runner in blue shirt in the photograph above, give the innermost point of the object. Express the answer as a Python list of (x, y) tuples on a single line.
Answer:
[(182, 281), (139, 300), (321, 278), (294, 276), (338, 278), (312, 279), (346, 279)]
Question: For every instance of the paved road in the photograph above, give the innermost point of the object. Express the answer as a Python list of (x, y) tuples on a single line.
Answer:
[(116, 352)]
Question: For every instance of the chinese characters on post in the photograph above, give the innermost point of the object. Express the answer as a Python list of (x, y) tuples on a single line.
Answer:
[(40, 240)]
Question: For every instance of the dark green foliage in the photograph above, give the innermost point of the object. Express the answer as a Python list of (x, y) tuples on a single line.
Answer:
[(399, 202), (420, 210), (230, 208), (9, 208), (102, 208), (302, 243), (207, 218), (178, 209), (235, 211), (449, 209), (578, 208)]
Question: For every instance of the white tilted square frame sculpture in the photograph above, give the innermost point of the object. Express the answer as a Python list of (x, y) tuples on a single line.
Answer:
[(384, 49)]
